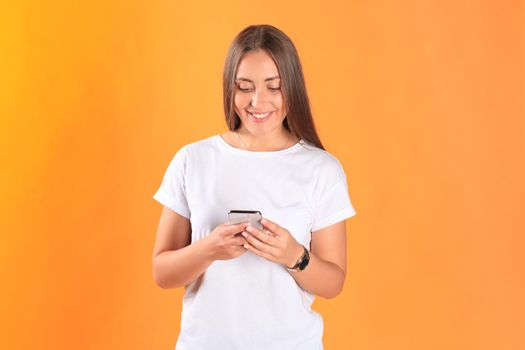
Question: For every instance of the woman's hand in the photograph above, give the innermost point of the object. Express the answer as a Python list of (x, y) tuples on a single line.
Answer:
[(274, 243), (223, 243)]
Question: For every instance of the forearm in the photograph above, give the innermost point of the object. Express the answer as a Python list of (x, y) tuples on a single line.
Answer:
[(320, 277), (178, 268)]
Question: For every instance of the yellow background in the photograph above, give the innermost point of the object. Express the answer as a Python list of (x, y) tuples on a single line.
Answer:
[(421, 101)]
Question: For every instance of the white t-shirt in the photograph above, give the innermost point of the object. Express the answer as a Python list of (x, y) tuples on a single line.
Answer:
[(250, 302)]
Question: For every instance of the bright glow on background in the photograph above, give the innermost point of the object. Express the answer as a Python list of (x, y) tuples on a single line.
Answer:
[(421, 101)]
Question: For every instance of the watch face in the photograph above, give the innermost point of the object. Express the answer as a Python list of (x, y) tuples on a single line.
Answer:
[(303, 264)]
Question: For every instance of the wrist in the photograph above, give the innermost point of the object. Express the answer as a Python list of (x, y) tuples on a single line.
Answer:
[(298, 252), (202, 249)]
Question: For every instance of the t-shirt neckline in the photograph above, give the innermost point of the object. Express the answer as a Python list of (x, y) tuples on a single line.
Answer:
[(257, 153)]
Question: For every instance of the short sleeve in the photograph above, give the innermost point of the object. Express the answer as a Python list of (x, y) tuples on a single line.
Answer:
[(331, 202), (172, 191)]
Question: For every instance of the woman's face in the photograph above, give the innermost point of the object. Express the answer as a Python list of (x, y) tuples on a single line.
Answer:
[(258, 97)]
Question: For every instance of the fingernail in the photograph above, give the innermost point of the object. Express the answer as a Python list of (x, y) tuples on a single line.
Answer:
[(244, 234)]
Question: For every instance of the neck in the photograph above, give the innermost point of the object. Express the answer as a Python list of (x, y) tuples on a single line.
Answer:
[(274, 141)]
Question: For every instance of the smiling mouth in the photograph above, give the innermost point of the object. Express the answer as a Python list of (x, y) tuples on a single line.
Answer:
[(260, 115)]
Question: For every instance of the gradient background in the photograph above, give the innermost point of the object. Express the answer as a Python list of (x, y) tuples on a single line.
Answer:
[(421, 101)]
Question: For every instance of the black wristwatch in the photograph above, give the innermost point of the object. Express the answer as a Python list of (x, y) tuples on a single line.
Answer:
[(301, 263)]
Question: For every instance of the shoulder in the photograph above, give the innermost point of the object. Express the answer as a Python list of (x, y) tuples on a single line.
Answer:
[(185, 153), (204, 143), (198, 146), (322, 161)]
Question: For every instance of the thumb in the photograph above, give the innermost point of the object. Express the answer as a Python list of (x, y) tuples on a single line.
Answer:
[(232, 230)]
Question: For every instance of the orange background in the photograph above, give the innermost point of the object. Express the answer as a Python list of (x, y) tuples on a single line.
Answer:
[(421, 101)]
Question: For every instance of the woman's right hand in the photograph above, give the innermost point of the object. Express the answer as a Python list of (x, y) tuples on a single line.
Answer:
[(223, 244)]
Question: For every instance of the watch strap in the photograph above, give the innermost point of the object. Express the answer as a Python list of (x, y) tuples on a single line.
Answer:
[(296, 267)]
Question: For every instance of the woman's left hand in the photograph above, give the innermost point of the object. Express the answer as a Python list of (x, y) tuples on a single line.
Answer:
[(274, 243)]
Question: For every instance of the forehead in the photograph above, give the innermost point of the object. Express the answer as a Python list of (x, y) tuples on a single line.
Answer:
[(257, 66)]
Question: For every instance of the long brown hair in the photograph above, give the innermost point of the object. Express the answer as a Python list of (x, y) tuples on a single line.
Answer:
[(279, 46)]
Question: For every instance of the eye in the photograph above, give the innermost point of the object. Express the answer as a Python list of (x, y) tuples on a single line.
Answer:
[(244, 89), (274, 88)]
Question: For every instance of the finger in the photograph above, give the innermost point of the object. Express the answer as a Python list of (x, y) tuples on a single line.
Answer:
[(273, 227), (256, 251), (240, 240), (259, 245), (261, 235), (268, 232), (231, 230)]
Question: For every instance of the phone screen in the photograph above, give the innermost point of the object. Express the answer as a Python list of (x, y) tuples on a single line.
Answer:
[(240, 216)]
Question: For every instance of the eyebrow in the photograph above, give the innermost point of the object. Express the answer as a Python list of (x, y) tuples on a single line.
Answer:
[(267, 79)]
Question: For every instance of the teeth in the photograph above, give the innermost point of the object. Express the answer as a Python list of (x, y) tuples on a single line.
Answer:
[(260, 116)]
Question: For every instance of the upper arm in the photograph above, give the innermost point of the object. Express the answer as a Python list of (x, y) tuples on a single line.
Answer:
[(173, 232), (329, 244)]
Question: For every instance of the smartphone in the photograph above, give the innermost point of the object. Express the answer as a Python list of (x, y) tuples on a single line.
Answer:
[(240, 216)]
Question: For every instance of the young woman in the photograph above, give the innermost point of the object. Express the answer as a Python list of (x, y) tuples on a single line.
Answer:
[(250, 288)]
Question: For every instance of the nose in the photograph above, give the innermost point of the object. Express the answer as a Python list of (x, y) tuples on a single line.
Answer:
[(254, 99), (257, 96)]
